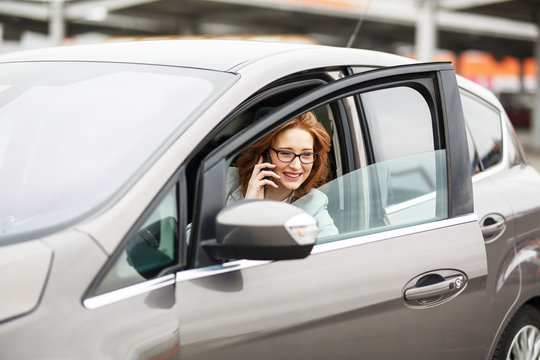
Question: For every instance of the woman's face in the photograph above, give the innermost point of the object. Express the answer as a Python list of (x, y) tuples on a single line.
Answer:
[(292, 174)]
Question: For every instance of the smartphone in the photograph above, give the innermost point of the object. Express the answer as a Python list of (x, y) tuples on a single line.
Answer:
[(266, 159)]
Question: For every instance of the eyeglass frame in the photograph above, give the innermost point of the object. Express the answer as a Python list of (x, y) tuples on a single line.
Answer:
[(315, 155)]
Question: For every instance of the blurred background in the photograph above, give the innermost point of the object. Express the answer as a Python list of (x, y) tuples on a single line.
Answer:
[(493, 42)]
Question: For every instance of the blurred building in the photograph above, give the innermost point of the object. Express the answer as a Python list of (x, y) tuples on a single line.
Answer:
[(493, 42)]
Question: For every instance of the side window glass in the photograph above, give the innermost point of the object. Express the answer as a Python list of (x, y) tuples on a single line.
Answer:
[(152, 248), (390, 194), (473, 155), (514, 152), (406, 184), (399, 122), (484, 123)]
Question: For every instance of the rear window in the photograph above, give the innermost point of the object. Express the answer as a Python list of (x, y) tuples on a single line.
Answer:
[(72, 135), (484, 124)]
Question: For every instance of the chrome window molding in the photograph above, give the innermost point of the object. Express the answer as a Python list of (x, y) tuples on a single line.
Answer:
[(390, 234), (127, 292), (218, 269), (331, 246)]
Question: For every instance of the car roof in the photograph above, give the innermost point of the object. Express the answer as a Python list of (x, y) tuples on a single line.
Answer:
[(220, 55)]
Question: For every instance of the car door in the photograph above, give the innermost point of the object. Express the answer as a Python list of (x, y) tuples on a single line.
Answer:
[(496, 217), (406, 276)]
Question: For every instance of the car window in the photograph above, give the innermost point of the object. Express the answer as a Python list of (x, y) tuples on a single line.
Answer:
[(390, 194), (514, 152), (151, 249), (315, 202), (484, 123), (405, 183), (91, 116), (391, 167), (399, 122), (473, 155)]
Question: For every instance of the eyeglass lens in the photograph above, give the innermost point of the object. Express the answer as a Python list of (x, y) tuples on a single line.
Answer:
[(287, 156)]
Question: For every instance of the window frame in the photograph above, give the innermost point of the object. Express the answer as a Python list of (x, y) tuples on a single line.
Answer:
[(178, 181)]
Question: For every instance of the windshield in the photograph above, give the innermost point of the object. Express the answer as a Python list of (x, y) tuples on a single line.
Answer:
[(72, 134)]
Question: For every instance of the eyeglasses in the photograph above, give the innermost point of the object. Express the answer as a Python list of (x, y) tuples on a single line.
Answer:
[(288, 156)]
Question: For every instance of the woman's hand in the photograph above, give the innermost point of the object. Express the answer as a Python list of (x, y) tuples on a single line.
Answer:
[(257, 182)]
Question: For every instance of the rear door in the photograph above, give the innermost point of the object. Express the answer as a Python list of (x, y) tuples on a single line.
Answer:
[(406, 276)]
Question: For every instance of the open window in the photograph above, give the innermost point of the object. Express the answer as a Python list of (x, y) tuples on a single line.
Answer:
[(423, 181)]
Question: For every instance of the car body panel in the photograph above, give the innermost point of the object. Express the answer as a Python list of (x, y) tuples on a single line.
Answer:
[(233, 55), (24, 268), (496, 195), (523, 200), (110, 332), (503, 282)]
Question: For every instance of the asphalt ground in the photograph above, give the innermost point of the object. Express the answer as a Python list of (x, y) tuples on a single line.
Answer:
[(532, 153)]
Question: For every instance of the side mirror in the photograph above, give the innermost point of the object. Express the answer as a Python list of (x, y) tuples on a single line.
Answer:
[(263, 230)]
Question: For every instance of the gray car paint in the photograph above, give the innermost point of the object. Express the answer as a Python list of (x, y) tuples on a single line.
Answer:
[(331, 306), (248, 311)]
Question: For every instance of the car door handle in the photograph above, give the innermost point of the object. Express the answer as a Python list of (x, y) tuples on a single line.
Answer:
[(434, 291), (492, 225)]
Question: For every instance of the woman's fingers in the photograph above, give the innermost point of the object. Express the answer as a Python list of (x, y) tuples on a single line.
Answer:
[(261, 176), (268, 182), (260, 166), (264, 173)]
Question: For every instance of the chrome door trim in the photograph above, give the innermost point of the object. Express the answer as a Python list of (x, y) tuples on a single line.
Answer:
[(98, 301), (193, 274), (218, 269)]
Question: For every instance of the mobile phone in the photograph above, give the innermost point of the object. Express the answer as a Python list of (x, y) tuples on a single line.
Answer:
[(266, 159)]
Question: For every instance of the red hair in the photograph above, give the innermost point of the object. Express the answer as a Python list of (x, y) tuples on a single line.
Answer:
[(321, 145)]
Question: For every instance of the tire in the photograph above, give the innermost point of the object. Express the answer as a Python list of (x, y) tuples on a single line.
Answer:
[(521, 338)]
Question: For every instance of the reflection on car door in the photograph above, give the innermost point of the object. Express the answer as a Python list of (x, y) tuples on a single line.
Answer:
[(409, 287)]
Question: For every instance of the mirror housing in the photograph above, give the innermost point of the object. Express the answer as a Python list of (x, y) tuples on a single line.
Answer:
[(262, 230)]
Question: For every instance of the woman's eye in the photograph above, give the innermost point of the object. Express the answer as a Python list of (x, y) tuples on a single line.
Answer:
[(285, 153)]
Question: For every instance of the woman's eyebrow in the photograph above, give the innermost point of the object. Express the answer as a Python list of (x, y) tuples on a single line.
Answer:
[(291, 149)]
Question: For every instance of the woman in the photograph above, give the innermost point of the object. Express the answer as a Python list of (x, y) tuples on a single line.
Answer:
[(297, 163)]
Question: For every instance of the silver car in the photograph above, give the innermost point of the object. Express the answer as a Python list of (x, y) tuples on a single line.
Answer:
[(116, 241)]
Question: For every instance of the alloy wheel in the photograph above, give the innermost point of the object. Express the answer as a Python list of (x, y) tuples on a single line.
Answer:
[(526, 344)]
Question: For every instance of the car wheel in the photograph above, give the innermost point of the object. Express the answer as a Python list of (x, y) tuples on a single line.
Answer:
[(521, 338)]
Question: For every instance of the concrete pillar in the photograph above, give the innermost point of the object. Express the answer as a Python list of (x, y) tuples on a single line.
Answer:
[(535, 125), (426, 30), (57, 26)]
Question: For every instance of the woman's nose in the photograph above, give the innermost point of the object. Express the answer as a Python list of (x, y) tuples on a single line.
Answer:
[(296, 164)]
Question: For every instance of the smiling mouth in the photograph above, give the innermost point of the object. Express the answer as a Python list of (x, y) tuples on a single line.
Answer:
[(292, 176)]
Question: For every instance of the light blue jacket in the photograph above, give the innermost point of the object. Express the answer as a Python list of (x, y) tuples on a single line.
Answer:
[(314, 203)]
